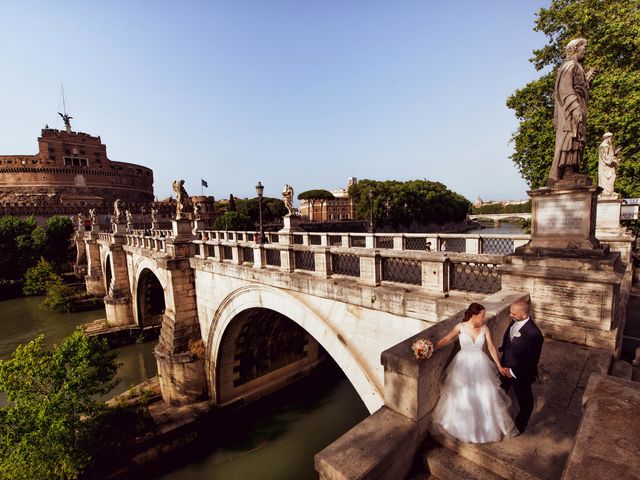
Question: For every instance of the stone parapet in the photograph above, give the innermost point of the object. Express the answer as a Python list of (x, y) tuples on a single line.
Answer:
[(607, 443)]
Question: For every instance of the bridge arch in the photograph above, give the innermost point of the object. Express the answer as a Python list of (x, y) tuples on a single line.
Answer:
[(249, 298), (149, 292), (108, 274), (150, 300)]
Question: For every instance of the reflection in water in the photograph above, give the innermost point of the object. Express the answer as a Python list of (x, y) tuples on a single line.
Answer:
[(274, 438), (505, 228)]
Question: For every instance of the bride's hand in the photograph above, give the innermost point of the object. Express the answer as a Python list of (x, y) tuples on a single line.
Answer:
[(504, 371)]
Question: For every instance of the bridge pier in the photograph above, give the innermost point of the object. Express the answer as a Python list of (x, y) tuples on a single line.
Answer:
[(94, 281), (180, 351), (117, 303)]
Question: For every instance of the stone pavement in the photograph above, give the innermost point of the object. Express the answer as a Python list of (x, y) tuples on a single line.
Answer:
[(542, 451)]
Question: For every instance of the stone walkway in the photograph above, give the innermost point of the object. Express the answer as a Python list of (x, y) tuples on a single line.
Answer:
[(542, 451)]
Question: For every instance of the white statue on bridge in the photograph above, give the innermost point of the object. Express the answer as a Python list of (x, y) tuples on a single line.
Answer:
[(607, 165), (287, 198), (182, 198), (117, 211)]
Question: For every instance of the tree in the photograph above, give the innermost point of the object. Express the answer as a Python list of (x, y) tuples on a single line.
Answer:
[(398, 203), (52, 421), (38, 278), (312, 196), (613, 31), (18, 252), (232, 221), (232, 203), (59, 230)]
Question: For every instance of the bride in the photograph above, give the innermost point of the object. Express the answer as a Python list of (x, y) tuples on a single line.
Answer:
[(472, 407)]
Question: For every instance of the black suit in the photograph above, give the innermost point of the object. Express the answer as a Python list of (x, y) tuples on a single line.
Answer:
[(521, 355)]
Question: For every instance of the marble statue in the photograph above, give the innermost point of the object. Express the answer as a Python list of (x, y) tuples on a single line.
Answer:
[(128, 216), (197, 211), (287, 198), (80, 221), (92, 216), (154, 215), (67, 121), (117, 211), (182, 198), (570, 95), (608, 155)]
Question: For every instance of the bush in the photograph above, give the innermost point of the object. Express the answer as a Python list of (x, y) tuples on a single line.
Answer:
[(232, 221), (39, 278), (59, 297)]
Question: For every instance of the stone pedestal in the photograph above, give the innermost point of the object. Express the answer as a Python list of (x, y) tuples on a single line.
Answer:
[(119, 228), (182, 228), (563, 219), (118, 310), (199, 225), (573, 281), (609, 230), (291, 224)]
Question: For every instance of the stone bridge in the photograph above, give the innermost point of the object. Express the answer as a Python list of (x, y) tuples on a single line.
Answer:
[(497, 218), (239, 318)]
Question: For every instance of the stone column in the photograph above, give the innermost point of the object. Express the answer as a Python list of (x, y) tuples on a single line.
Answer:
[(94, 281), (180, 350), (117, 303)]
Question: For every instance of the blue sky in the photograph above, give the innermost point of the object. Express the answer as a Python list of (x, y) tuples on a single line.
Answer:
[(301, 92)]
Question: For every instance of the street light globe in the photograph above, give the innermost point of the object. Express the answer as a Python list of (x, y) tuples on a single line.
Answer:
[(259, 189)]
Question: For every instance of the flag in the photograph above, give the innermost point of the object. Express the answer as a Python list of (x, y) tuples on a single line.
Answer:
[(204, 183)]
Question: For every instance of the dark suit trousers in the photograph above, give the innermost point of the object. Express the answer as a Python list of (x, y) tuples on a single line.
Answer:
[(524, 394)]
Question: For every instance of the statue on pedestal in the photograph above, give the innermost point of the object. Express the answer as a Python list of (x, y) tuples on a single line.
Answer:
[(287, 198), (92, 216), (197, 211), (154, 215), (129, 217), (182, 198), (117, 211), (607, 154), (80, 221), (570, 112)]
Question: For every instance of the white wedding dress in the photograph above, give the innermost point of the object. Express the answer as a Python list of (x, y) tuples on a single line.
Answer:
[(472, 407)]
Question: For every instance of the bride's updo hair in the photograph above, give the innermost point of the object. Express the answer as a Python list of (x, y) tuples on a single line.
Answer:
[(474, 309)]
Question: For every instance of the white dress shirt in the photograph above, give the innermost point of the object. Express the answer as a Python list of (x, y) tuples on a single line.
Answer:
[(515, 328)]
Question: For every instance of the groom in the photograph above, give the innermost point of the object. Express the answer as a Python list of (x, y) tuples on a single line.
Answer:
[(521, 347)]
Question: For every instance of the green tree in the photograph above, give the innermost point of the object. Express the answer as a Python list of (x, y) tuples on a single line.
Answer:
[(59, 230), (613, 30), (232, 203), (232, 221), (39, 277), (17, 247), (399, 204), (59, 295), (273, 209), (52, 420)]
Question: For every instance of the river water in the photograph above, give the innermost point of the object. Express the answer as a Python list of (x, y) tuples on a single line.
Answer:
[(274, 439)]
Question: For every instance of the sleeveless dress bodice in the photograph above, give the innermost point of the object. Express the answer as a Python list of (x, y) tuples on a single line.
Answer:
[(472, 407)]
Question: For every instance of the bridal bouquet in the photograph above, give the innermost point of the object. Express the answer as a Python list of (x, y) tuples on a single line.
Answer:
[(422, 348)]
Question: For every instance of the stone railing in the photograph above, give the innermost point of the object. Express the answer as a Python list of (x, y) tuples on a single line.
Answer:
[(318, 254), (155, 240), (459, 243)]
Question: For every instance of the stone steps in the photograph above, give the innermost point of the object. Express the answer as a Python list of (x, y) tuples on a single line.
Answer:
[(499, 467), (443, 464), (621, 369)]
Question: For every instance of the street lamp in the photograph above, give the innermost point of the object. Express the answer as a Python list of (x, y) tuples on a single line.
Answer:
[(371, 209), (259, 192)]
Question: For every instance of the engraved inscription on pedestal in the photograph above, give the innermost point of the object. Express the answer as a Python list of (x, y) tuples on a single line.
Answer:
[(560, 216)]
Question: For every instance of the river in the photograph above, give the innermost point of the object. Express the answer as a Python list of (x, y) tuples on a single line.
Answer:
[(275, 438)]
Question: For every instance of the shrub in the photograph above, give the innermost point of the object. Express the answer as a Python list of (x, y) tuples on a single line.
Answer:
[(38, 278), (59, 296)]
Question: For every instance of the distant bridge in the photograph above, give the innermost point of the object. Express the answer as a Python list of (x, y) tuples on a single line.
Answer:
[(497, 218)]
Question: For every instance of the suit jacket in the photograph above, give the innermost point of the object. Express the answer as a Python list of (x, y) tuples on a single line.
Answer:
[(522, 353)]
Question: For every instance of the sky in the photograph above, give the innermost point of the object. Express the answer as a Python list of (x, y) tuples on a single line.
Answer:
[(302, 92)]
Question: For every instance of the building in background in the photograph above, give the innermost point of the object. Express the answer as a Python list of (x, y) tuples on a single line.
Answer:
[(340, 207), (70, 174)]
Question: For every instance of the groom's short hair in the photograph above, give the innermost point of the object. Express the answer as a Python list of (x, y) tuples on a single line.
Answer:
[(522, 306)]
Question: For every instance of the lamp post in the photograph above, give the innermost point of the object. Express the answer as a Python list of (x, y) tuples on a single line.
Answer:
[(259, 192), (371, 209)]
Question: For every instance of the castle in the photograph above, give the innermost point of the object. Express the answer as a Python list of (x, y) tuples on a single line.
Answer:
[(70, 174)]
